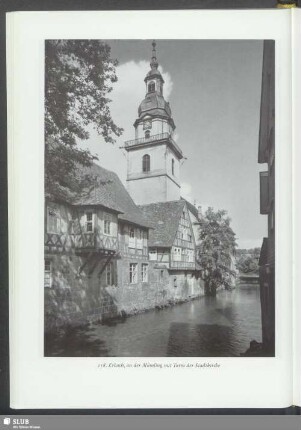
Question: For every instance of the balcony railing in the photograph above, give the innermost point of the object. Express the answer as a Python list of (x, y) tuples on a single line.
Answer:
[(150, 139), (95, 242), (182, 265)]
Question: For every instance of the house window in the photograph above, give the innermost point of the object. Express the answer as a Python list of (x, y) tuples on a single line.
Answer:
[(107, 224), (151, 87), (144, 272), (139, 239), (53, 221), (110, 273), (147, 134), (177, 254), (146, 163), (132, 241), (153, 255), (89, 222), (133, 273), (173, 166), (132, 233), (189, 237), (190, 256), (47, 274)]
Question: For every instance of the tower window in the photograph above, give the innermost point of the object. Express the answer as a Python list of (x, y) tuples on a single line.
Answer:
[(151, 87), (147, 134), (173, 166), (146, 163)]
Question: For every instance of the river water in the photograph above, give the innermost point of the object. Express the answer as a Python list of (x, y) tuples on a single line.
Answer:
[(220, 326)]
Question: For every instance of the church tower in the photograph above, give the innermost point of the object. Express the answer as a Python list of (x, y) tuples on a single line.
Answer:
[(153, 157)]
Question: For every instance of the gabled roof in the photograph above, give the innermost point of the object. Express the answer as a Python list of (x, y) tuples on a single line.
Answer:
[(111, 193), (164, 218), (191, 208)]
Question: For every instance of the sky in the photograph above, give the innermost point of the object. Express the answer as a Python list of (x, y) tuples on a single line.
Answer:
[(213, 87)]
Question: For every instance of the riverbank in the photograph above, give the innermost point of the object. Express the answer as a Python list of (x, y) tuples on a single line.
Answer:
[(220, 326)]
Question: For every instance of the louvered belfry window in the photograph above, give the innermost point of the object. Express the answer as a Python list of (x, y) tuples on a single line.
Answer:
[(151, 87), (146, 163)]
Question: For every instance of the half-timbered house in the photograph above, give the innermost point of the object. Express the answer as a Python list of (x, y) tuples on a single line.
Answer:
[(104, 255)]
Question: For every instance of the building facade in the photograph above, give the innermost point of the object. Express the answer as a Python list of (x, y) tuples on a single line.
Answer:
[(113, 252), (153, 157), (266, 155)]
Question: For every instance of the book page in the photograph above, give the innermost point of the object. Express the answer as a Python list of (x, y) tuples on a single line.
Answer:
[(154, 319)]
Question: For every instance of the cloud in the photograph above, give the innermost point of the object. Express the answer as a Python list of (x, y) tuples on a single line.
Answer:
[(249, 243), (129, 91), (176, 136), (126, 96), (186, 191)]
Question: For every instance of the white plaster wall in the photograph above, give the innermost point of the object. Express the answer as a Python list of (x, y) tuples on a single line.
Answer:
[(148, 190), (173, 191), (195, 228), (159, 126), (157, 159), (169, 157)]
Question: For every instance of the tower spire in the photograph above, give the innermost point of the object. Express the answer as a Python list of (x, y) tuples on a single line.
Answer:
[(154, 63)]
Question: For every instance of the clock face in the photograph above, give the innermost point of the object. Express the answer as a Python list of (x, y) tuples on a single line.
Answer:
[(147, 124)]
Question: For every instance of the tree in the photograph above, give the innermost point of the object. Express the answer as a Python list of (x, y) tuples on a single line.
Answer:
[(78, 77), (216, 250), (247, 261)]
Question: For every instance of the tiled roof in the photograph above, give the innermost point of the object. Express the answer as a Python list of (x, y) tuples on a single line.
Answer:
[(191, 208), (165, 218), (111, 193)]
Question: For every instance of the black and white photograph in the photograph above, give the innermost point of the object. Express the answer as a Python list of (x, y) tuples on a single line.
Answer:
[(159, 187)]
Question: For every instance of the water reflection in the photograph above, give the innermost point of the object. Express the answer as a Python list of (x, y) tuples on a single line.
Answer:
[(221, 326)]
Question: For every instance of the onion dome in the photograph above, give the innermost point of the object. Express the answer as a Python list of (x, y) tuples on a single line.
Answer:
[(154, 103)]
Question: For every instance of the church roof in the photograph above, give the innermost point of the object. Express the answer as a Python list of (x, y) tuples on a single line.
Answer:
[(111, 193), (153, 73), (164, 218), (154, 104)]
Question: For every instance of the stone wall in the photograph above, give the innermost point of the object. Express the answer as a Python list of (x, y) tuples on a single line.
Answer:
[(76, 298)]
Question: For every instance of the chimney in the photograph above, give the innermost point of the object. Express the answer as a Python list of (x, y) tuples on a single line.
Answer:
[(200, 213)]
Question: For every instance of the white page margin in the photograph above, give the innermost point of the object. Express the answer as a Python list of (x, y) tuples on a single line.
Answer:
[(39, 382)]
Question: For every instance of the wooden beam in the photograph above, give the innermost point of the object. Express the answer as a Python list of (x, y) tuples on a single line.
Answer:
[(94, 265), (104, 266), (85, 263)]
